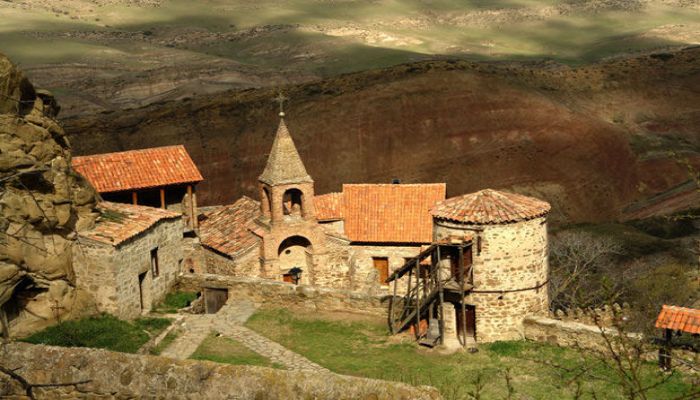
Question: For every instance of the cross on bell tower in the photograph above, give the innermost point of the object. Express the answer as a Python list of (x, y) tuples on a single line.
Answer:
[(281, 98)]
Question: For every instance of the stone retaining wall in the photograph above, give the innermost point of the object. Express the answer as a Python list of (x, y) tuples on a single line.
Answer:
[(118, 375), (287, 294), (564, 333)]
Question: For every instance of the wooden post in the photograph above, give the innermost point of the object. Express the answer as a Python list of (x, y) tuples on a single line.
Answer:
[(162, 198), (393, 307), (134, 198), (442, 299), (665, 351), (417, 299), (461, 290), (191, 206)]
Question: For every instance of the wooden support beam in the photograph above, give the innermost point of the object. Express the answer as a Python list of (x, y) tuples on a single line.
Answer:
[(190, 198), (417, 299), (134, 198), (162, 198), (394, 324), (442, 299), (461, 290)]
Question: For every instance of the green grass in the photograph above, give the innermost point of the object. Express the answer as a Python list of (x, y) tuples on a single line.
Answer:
[(167, 340), (175, 301), (104, 332), (229, 351), (363, 348)]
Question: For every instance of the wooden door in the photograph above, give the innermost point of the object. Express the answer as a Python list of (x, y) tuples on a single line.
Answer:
[(215, 299), (382, 266), (287, 278), (470, 315)]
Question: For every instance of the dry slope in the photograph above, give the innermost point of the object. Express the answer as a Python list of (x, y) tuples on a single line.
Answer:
[(591, 140)]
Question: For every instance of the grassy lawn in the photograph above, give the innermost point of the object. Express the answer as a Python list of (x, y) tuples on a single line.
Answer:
[(229, 351), (104, 332), (174, 301), (364, 348)]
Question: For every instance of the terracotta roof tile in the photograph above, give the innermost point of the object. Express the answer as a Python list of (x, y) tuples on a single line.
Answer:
[(231, 229), (330, 206), (138, 169), (391, 213), (679, 318), (120, 222), (490, 207)]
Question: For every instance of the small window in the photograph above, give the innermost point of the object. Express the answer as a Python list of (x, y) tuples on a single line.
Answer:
[(154, 262), (382, 266)]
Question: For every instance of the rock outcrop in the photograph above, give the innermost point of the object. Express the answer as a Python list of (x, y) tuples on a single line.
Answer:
[(43, 202), (107, 374)]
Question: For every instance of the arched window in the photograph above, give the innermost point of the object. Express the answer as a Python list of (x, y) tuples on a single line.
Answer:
[(267, 201), (292, 203)]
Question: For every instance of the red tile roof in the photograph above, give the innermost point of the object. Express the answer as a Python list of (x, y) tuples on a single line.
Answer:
[(391, 213), (329, 206), (679, 319), (230, 229), (120, 222), (490, 207), (138, 169)]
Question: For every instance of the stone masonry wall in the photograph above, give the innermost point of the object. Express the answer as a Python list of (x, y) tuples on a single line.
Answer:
[(112, 274), (584, 336), (94, 272), (513, 256), (289, 295), (364, 276), (122, 376)]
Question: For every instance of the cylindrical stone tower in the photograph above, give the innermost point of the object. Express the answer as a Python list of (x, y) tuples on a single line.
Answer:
[(510, 257)]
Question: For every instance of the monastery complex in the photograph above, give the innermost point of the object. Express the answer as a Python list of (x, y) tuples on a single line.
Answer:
[(461, 270)]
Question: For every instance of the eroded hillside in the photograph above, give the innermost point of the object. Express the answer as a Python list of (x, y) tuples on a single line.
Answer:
[(591, 140), (102, 55)]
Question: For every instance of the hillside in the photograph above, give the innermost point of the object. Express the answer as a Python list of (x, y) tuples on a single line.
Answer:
[(592, 140), (99, 55)]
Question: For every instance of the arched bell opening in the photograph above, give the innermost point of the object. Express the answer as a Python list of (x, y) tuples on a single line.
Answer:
[(292, 203)]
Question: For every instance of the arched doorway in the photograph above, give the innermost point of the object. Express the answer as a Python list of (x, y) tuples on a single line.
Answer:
[(295, 252)]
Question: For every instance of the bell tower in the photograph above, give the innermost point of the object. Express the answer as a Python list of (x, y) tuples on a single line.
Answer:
[(293, 237)]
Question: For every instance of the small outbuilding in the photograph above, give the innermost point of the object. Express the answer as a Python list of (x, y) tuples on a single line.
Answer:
[(130, 259), (163, 177)]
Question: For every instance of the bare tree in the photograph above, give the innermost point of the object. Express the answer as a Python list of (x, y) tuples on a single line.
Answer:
[(576, 258)]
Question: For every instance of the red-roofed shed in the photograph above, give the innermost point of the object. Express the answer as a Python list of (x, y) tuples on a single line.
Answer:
[(162, 177)]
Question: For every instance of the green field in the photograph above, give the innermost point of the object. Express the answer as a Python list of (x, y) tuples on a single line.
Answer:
[(500, 370)]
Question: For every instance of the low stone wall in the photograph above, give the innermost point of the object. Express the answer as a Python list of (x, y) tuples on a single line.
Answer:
[(289, 295), (118, 375), (564, 333)]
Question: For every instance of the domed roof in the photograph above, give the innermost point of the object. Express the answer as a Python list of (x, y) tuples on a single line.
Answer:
[(490, 207)]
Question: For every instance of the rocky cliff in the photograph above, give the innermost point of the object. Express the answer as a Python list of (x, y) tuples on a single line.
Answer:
[(591, 140), (43, 202)]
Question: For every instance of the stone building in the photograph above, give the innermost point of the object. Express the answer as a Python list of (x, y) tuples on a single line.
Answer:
[(164, 177), (350, 240), (130, 259), (509, 260), (358, 238)]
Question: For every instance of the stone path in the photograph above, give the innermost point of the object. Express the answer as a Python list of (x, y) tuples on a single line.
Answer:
[(229, 322)]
